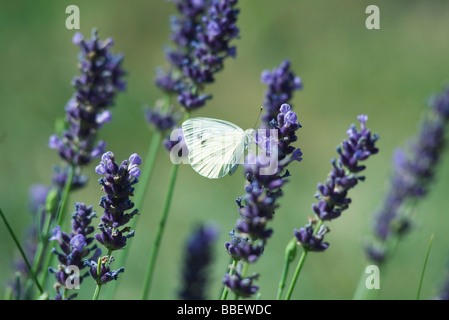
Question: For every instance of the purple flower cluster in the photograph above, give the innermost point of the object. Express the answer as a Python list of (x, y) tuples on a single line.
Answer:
[(202, 35), (333, 194), (413, 173), (281, 84), (160, 119), (106, 274), (198, 256), (117, 182), (241, 286), (310, 240), (87, 111), (76, 247)]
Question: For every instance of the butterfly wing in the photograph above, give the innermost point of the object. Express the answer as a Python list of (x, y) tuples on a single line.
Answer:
[(215, 146)]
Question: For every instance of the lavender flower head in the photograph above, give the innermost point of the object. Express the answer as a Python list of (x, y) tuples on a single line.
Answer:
[(117, 182), (87, 111), (75, 247), (333, 194), (310, 240), (281, 84), (160, 119), (198, 256), (202, 34), (242, 286), (413, 172)]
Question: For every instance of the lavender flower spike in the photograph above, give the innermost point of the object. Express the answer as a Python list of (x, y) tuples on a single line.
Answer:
[(413, 172), (75, 247), (333, 194), (117, 182), (281, 84), (243, 287), (87, 111), (202, 34)]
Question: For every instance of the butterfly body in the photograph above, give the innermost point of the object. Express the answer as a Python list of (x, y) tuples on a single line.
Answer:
[(216, 147)]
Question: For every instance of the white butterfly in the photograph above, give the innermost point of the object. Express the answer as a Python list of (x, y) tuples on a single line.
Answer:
[(216, 147)]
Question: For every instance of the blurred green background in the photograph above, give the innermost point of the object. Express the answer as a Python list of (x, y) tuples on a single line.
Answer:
[(388, 74)]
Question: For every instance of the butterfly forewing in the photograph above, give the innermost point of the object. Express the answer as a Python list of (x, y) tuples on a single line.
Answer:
[(215, 146)]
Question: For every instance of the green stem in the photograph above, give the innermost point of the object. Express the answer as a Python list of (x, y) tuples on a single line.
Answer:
[(283, 277), (224, 294), (98, 287), (290, 253), (100, 261), (424, 267), (13, 235), (97, 292), (160, 231), (296, 274)]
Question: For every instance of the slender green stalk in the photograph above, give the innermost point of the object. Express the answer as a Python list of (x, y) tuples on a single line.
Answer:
[(160, 231), (283, 278), (296, 274), (225, 292), (98, 287), (424, 267), (22, 252), (290, 253), (97, 292)]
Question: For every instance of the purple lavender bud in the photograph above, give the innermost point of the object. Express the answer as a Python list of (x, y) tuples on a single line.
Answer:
[(106, 274), (57, 235), (104, 117), (77, 38)]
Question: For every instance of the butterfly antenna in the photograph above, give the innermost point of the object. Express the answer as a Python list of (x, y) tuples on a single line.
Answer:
[(258, 117)]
